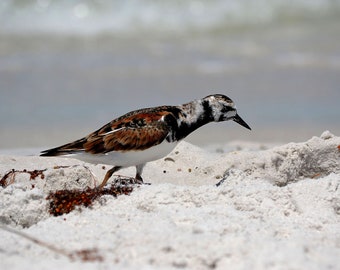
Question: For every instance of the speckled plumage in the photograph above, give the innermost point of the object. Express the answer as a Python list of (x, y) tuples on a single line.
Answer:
[(147, 134)]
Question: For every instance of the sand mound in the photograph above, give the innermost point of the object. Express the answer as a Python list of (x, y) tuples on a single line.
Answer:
[(275, 208)]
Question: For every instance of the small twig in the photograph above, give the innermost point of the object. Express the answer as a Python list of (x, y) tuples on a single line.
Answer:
[(225, 176), (221, 181), (84, 255), (37, 241)]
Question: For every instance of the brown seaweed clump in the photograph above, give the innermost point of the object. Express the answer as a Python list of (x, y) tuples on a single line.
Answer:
[(64, 201)]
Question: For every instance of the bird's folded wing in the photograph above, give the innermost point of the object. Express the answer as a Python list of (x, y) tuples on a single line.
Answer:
[(135, 133), (126, 139)]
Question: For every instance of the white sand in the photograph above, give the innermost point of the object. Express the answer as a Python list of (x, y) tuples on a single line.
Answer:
[(276, 209)]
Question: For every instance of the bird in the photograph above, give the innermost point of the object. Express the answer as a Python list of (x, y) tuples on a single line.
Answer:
[(147, 134)]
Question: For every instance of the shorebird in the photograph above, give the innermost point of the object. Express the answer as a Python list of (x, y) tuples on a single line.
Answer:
[(147, 134)]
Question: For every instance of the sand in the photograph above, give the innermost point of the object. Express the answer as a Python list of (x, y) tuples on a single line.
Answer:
[(274, 208)]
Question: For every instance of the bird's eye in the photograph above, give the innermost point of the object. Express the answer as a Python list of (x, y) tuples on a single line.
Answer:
[(226, 109)]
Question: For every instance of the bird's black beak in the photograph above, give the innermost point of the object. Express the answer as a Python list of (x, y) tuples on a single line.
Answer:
[(240, 121)]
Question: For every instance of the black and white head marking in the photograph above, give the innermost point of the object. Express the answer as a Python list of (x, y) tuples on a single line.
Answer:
[(220, 107), (212, 108)]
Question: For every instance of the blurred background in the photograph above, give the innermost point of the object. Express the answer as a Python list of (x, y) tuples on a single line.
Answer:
[(67, 67)]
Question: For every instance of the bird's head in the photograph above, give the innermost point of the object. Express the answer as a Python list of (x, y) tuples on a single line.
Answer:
[(224, 109)]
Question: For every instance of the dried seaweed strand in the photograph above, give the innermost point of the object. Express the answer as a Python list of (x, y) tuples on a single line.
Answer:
[(11, 174), (84, 255)]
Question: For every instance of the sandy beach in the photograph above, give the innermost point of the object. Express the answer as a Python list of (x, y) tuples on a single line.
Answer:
[(274, 208), (226, 197)]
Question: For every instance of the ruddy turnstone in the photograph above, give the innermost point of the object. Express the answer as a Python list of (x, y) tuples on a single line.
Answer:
[(147, 134)]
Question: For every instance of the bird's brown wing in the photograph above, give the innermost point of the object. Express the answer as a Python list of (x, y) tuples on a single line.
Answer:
[(134, 131), (138, 132)]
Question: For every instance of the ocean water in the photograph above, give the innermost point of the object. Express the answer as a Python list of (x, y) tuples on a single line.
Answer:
[(68, 67)]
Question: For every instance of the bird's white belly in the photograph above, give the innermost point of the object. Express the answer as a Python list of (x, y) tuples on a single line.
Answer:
[(128, 158)]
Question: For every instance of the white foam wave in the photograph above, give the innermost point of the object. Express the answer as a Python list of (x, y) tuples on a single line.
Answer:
[(119, 16)]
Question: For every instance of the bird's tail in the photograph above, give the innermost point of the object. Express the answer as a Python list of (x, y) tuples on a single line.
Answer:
[(66, 149)]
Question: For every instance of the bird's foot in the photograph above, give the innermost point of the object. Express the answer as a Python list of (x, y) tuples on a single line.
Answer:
[(120, 180)]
